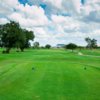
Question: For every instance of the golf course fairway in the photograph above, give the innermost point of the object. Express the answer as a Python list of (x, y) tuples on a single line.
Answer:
[(50, 75)]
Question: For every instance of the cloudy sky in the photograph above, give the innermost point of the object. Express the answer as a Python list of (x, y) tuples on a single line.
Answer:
[(55, 21)]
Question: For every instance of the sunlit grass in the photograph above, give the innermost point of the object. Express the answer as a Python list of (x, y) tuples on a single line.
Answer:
[(57, 75)]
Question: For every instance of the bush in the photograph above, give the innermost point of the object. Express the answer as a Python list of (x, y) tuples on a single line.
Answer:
[(71, 46), (48, 46)]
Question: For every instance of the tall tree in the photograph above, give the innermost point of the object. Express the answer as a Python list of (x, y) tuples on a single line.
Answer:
[(10, 32), (12, 35), (91, 43), (94, 43), (88, 40)]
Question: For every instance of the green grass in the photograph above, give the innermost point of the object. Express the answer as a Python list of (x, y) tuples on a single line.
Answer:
[(93, 52), (58, 75)]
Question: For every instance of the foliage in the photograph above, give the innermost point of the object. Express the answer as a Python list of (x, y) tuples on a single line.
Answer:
[(48, 46), (29, 36), (91, 43), (12, 35), (36, 45), (71, 46)]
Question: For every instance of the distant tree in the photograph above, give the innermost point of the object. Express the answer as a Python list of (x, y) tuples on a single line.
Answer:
[(36, 45), (42, 47), (94, 43), (80, 47), (1, 32), (48, 46), (91, 43), (71, 46), (88, 40), (1, 36)]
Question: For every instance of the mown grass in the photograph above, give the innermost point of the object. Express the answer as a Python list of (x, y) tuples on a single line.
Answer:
[(57, 75)]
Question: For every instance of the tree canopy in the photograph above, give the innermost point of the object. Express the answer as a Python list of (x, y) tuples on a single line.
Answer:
[(36, 45), (91, 43), (12, 35), (71, 46), (48, 46)]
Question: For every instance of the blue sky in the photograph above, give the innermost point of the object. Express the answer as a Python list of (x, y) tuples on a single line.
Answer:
[(27, 1), (55, 21), (23, 1)]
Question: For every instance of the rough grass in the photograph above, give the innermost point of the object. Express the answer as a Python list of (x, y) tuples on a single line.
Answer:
[(57, 75)]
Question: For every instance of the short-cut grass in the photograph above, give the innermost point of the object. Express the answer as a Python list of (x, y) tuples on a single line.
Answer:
[(50, 75)]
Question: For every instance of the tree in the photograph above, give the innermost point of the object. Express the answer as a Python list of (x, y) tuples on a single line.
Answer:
[(91, 43), (29, 35), (36, 45), (71, 46), (12, 35), (48, 46), (10, 32), (88, 40), (1, 45), (21, 41), (94, 43)]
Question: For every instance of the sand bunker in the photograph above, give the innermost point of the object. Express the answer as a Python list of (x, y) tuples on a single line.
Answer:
[(79, 53)]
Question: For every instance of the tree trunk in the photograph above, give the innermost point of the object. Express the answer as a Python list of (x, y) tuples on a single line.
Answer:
[(8, 50), (22, 49), (17, 49)]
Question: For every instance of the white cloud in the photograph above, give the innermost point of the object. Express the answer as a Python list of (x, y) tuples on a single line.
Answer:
[(55, 3), (3, 21), (9, 3), (41, 33), (7, 6), (91, 6), (29, 16), (65, 24)]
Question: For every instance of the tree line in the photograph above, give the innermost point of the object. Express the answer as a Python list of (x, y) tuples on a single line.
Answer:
[(36, 45), (91, 44), (13, 36)]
